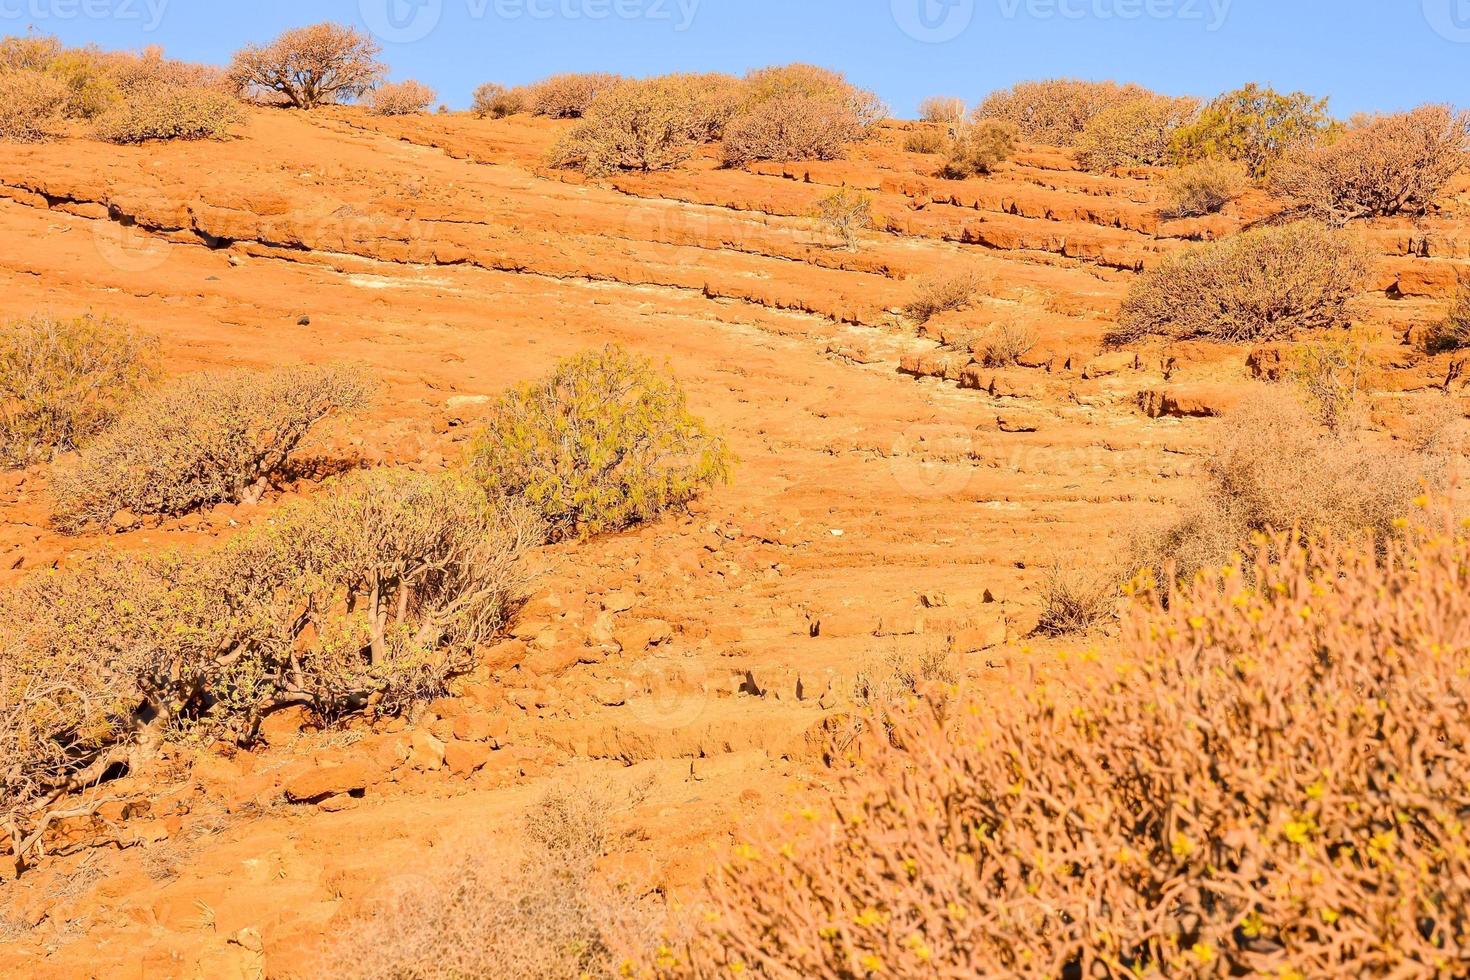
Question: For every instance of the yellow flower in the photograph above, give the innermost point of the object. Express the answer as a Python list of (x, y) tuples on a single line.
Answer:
[(1203, 953), (1182, 846), (868, 917), (1329, 916), (919, 948), (872, 963), (1297, 831)]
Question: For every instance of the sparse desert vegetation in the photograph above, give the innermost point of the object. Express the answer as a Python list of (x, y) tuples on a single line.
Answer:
[(740, 528)]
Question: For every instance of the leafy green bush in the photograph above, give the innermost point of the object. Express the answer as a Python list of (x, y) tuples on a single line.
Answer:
[(64, 381), (1253, 126), (205, 439), (605, 442), (1265, 284)]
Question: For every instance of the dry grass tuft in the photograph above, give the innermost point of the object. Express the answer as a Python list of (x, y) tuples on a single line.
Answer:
[(941, 294)]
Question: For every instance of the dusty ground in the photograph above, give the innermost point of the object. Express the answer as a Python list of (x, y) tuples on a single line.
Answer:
[(889, 497)]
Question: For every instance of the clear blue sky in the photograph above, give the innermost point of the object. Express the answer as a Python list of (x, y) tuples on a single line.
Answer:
[(1365, 54)]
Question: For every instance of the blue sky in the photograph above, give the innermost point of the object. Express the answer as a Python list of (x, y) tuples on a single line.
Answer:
[(1365, 54)]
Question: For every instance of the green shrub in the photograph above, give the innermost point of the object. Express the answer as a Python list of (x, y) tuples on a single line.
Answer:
[(171, 113), (605, 442), (1135, 132), (205, 439), (64, 381), (1203, 188), (1264, 284), (1253, 126)]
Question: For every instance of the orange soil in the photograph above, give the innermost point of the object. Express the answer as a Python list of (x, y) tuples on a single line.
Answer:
[(889, 496)]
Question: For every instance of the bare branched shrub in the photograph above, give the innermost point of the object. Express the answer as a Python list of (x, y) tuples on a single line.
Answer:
[(1329, 374), (1253, 126), (945, 110), (1275, 466), (799, 112), (649, 124), (568, 96), (1055, 111), (547, 916), (1078, 596), (943, 293), (899, 676), (605, 442), (1380, 165), (1004, 342), (1264, 284), (1267, 779), (1203, 188), (310, 66), (205, 439), (64, 381), (979, 148), (845, 214), (31, 104), (1134, 132), (372, 595), (170, 112), (496, 101), (1453, 332), (400, 98)]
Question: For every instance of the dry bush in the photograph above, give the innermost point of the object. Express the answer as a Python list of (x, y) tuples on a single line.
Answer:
[(979, 148), (547, 916), (942, 109), (1253, 126), (1203, 188), (1379, 166), (28, 52), (1267, 779), (943, 293), (648, 124), (568, 96), (400, 98), (1453, 332), (799, 112), (90, 79), (927, 139), (605, 442), (1077, 596), (373, 595), (310, 66), (1264, 284), (1055, 111), (205, 439), (170, 112), (31, 104), (149, 69), (496, 101), (64, 381), (1135, 132), (846, 215), (1275, 467), (1004, 343), (1329, 374), (900, 676)]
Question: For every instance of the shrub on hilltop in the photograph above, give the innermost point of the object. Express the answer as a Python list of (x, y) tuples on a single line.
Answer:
[(978, 148), (1264, 284), (1055, 111), (310, 66), (648, 124), (496, 101), (799, 112), (170, 112), (31, 105), (63, 381), (605, 442), (204, 439), (1253, 126), (400, 98), (1134, 132), (568, 96), (944, 110), (1378, 166), (1266, 778)]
